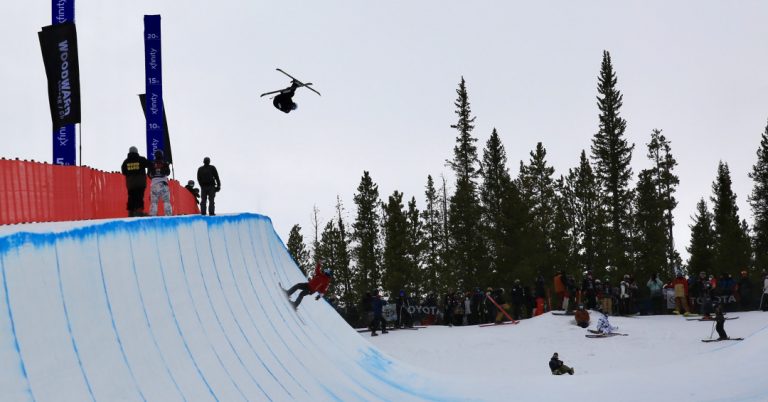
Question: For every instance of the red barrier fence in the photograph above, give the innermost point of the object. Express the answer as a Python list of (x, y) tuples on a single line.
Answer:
[(39, 192)]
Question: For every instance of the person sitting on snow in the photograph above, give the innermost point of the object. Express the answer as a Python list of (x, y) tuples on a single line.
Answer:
[(582, 317), (603, 326), (558, 367)]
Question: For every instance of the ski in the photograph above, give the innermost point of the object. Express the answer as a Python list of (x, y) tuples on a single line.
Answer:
[(511, 320), (499, 324), (561, 312), (612, 334), (301, 84), (414, 328), (720, 340), (708, 319)]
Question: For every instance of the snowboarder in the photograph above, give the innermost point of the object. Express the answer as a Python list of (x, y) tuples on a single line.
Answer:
[(582, 317), (319, 283), (158, 172), (135, 170), (558, 367), (603, 326)]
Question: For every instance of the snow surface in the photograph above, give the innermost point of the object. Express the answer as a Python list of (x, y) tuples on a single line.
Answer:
[(189, 309)]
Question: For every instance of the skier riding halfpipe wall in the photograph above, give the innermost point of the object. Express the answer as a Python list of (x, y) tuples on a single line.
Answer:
[(178, 309)]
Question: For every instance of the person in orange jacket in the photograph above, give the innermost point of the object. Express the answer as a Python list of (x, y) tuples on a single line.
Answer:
[(680, 285), (319, 283), (582, 317)]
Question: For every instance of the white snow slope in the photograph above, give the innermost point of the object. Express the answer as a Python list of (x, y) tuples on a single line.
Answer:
[(190, 309)]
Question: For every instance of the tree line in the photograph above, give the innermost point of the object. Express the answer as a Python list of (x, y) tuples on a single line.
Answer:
[(490, 228)]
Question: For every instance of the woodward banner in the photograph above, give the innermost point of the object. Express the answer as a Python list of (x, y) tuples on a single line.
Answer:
[(64, 147), (154, 85)]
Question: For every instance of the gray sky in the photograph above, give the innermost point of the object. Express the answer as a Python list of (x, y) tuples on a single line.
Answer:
[(388, 72)]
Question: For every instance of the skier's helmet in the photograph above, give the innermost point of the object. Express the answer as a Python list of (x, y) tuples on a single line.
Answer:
[(294, 106)]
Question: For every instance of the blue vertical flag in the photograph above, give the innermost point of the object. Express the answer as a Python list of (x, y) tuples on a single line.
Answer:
[(154, 85), (64, 147)]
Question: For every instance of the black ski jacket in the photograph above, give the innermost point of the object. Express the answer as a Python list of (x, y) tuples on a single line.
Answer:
[(207, 176), (135, 170)]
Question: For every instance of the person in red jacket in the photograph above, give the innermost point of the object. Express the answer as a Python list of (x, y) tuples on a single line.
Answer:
[(319, 283)]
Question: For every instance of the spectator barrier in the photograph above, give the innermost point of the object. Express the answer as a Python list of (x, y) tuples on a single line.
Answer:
[(40, 192)]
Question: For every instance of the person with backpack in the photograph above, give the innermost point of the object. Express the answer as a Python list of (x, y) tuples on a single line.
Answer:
[(210, 184)]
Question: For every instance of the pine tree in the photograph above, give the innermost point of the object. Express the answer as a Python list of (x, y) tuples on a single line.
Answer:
[(758, 200), (397, 270), (297, 249), (612, 155), (732, 250), (496, 182), (702, 246), (650, 231), (467, 252), (665, 181), (581, 194), (432, 241), (537, 187), (414, 248), (563, 255), (365, 233)]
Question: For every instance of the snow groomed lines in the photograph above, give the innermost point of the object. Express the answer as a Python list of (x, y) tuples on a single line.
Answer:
[(176, 309)]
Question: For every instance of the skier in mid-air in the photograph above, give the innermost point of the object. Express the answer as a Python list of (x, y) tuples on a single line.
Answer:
[(283, 101), (319, 283)]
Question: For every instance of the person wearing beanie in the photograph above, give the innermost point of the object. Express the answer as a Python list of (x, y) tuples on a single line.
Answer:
[(195, 192), (159, 172), (208, 178), (134, 169)]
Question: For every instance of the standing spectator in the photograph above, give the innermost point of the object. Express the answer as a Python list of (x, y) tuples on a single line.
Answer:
[(377, 305), (606, 300), (540, 293), (745, 291), (517, 297), (763, 302), (134, 169), (467, 308), (158, 172), (490, 309), (449, 305), (655, 286), (627, 288), (571, 290), (402, 309), (680, 286), (588, 290), (478, 307), (559, 286), (366, 305), (498, 297), (194, 191), (727, 286), (208, 178)]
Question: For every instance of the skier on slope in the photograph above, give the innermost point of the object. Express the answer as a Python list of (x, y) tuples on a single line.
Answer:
[(603, 326), (720, 322), (319, 283), (558, 367)]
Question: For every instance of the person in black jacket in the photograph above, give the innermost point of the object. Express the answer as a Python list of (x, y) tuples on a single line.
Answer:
[(134, 169), (558, 367), (208, 178), (194, 191), (720, 322)]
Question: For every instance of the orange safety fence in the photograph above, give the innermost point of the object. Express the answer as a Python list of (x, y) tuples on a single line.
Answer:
[(40, 192)]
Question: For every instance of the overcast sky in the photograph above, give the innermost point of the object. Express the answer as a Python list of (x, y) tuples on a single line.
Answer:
[(388, 72)]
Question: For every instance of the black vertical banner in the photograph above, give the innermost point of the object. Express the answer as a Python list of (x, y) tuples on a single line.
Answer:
[(166, 135), (58, 44)]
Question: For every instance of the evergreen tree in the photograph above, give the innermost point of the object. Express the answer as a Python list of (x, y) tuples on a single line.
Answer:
[(758, 200), (414, 248), (702, 246), (612, 155), (333, 251), (398, 271), (365, 233), (537, 187), (432, 240), (665, 181), (563, 255), (496, 182), (650, 231), (581, 194), (298, 250), (467, 252), (732, 250)]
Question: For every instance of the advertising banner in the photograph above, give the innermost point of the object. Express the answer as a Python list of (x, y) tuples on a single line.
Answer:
[(154, 85)]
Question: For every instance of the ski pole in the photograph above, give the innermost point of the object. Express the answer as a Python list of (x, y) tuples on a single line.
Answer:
[(712, 331)]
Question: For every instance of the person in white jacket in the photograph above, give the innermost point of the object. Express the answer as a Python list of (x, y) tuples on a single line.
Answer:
[(603, 326), (764, 297)]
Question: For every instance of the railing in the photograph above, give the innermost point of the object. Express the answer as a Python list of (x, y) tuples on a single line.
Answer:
[(39, 192)]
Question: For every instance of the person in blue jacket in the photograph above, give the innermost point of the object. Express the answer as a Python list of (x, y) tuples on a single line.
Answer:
[(378, 315)]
